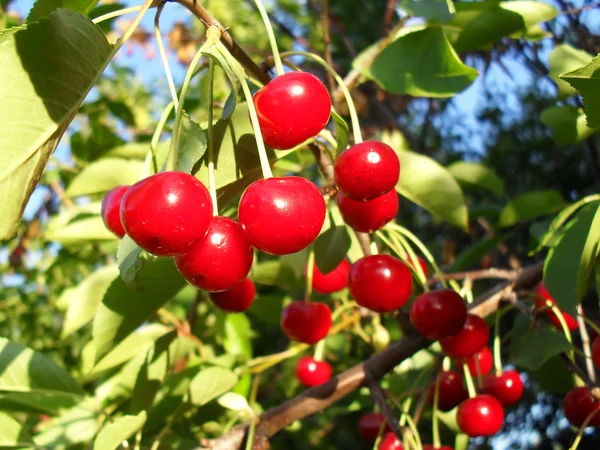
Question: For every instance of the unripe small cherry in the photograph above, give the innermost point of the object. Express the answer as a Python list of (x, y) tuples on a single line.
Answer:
[(235, 300), (306, 322), (311, 372), (438, 314), (481, 415), (390, 442), (422, 263), (546, 298), (371, 215), (506, 387), (111, 205), (333, 281), (482, 360), (451, 391), (369, 425), (473, 337)]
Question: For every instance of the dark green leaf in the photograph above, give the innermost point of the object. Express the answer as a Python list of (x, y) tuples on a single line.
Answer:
[(331, 248), (342, 131), (130, 263), (569, 263), (435, 10), (533, 349), (553, 376), (568, 124), (529, 206), (565, 58), (478, 175), (211, 383), (112, 435), (472, 255), (192, 145), (43, 8), (586, 80)]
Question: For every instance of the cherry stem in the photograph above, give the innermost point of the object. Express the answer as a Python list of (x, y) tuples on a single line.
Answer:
[(310, 268), (415, 431), (585, 423), (446, 364), (592, 325), (373, 248), (434, 421), (113, 14), (163, 55), (211, 151), (155, 139), (271, 34), (497, 344), (320, 350), (254, 418), (240, 74), (469, 380), (133, 26), (356, 131), (478, 370), (412, 256)]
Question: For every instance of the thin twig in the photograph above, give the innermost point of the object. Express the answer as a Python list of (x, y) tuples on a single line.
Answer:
[(585, 343), (379, 397)]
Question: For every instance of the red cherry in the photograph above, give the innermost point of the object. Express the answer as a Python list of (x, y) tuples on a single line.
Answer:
[(311, 372), (579, 403), (596, 352), (507, 388), (371, 215), (423, 265), (451, 392), (381, 283), (431, 447), (166, 212), (292, 108), (369, 425), (221, 260), (485, 359), (541, 303), (306, 322), (282, 215), (480, 416), (473, 337), (437, 314), (367, 170), (333, 281), (235, 300), (111, 205), (390, 442)]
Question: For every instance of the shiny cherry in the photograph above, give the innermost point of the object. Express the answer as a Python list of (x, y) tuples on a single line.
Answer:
[(165, 213), (306, 322), (219, 261), (542, 303), (111, 205), (431, 447), (282, 215), (381, 283), (235, 300), (371, 215), (480, 416), (367, 170), (473, 337), (507, 387), (437, 314), (482, 360), (423, 265), (369, 425), (596, 352), (389, 441), (292, 108), (311, 372), (578, 404), (451, 392), (333, 281)]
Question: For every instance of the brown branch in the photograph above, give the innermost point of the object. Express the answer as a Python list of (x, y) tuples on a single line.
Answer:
[(473, 275), (327, 39), (379, 397), (317, 399)]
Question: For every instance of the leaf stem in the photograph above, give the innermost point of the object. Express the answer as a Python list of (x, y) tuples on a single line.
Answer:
[(163, 55), (113, 14), (211, 152), (271, 35), (351, 108)]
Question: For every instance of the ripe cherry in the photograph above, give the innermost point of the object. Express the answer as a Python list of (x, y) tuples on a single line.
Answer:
[(235, 300), (292, 108), (437, 314), (369, 425), (333, 281), (367, 170), (390, 442), (282, 215), (431, 447), (311, 372), (542, 303), (381, 283), (596, 352), (371, 215), (507, 387), (423, 265), (166, 212), (306, 322), (480, 416), (473, 337), (482, 360), (219, 261), (451, 391), (578, 404), (111, 205)]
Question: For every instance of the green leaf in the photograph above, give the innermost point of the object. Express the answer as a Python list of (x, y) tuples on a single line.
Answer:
[(565, 58), (537, 346), (472, 255), (42, 58), (84, 299), (132, 150), (13, 434), (530, 206), (331, 248), (342, 132), (211, 383), (568, 124), (553, 376), (431, 186), (105, 174), (130, 263), (435, 10), (586, 80), (237, 332), (43, 8), (569, 263), (123, 310), (192, 145), (114, 433), (81, 231), (76, 425), (478, 175), (421, 64)]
